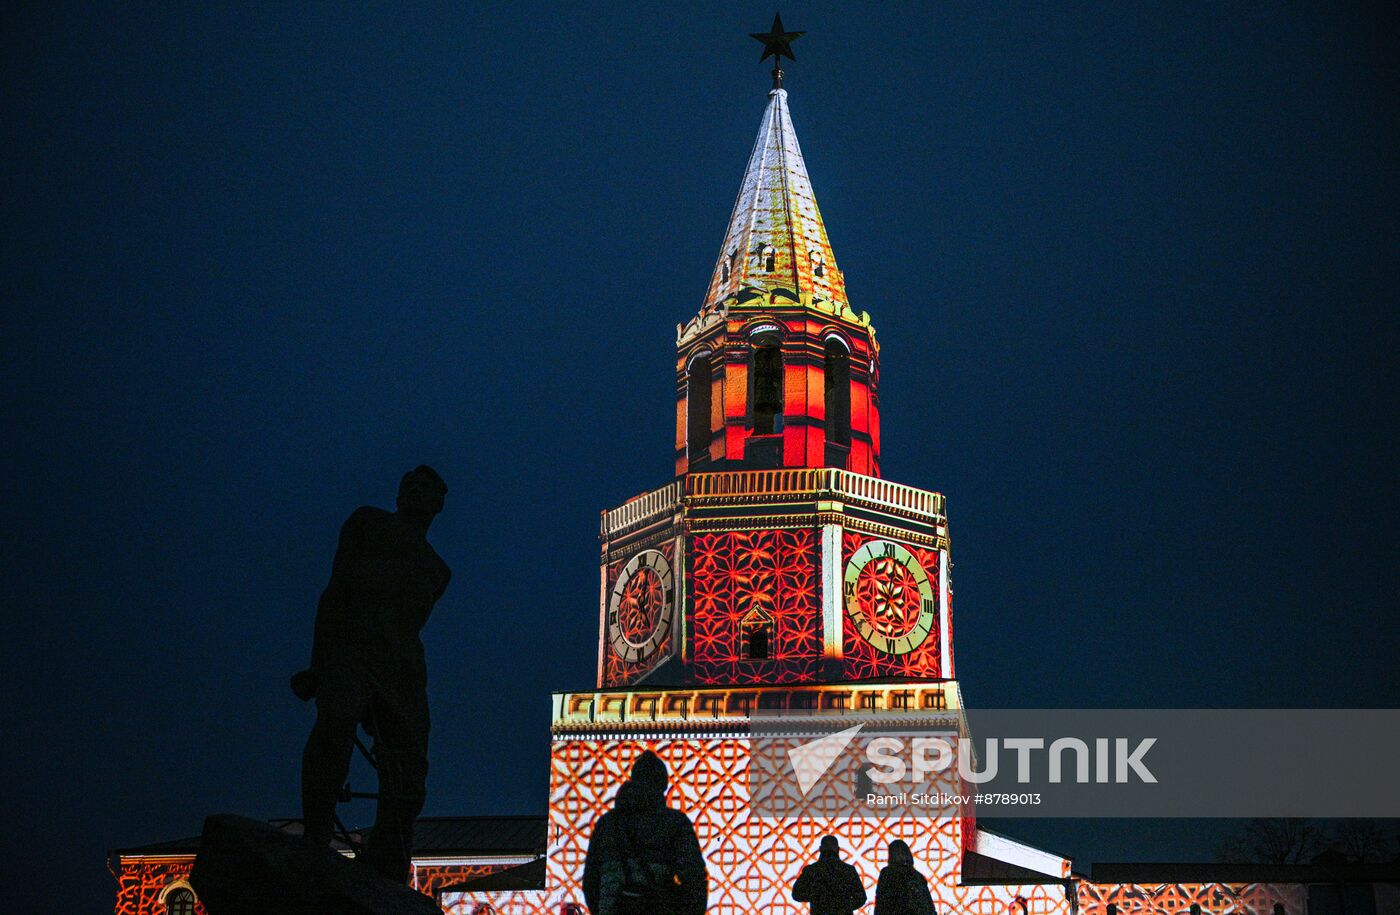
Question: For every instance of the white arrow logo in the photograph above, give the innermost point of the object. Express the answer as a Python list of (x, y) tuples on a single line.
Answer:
[(811, 760)]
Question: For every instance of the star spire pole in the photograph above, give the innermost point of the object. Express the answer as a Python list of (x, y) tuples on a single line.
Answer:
[(777, 44)]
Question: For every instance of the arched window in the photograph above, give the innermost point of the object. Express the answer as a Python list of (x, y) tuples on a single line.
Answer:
[(180, 902), (838, 393), (769, 256), (1112, 909), (1195, 908), (697, 406), (767, 386)]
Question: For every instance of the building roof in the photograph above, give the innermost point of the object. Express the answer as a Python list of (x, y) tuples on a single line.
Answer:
[(776, 209), (529, 876), (978, 870), (432, 837), (499, 835), (1154, 872)]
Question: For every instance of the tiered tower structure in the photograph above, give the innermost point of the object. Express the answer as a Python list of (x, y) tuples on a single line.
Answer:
[(778, 555), (777, 572)]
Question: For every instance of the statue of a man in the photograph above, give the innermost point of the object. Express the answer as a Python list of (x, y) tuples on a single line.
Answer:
[(367, 669)]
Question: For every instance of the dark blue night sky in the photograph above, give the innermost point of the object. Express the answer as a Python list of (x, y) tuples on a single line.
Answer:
[(1135, 270)]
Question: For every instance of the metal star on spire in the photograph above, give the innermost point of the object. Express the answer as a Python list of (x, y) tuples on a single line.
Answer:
[(776, 42)]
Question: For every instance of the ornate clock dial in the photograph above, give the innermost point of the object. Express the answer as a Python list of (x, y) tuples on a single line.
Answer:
[(640, 606), (889, 597)]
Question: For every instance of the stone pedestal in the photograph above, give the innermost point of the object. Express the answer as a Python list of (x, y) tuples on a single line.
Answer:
[(247, 867)]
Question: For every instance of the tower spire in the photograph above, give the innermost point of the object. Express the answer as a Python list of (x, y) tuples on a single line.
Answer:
[(776, 241)]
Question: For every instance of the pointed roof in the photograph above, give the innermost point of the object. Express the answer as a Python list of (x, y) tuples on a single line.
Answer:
[(776, 220)]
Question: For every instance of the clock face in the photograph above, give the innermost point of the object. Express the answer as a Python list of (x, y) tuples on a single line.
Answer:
[(640, 606), (889, 597)]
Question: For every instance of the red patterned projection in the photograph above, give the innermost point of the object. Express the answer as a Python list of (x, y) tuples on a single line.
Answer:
[(892, 606), (640, 606), (142, 883), (638, 612), (743, 581), (890, 597), (430, 879), (1177, 898)]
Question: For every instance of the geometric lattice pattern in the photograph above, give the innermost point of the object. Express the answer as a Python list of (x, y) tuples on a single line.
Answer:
[(862, 660), (768, 574), (752, 861), (1176, 898), (429, 879)]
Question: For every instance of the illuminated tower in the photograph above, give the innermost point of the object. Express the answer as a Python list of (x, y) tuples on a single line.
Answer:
[(777, 555), (777, 572)]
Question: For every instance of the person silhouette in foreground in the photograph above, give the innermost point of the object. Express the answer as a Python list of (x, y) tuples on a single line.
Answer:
[(367, 668), (643, 857), (902, 890), (831, 885)]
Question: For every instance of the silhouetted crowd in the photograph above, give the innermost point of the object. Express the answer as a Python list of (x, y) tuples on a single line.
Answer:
[(644, 859)]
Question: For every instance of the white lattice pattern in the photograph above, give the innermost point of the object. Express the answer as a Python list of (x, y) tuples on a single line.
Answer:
[(752, 861)]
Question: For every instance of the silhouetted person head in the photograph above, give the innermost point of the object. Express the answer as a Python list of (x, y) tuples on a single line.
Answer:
[(649, 770), (829, 885), (902, 890), (421, 493)]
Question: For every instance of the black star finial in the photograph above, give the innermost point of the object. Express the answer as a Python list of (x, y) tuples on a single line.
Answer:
[(777, 44)]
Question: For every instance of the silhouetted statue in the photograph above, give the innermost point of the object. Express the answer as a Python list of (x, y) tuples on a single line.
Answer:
[(367, 669), (902, 890), (830, 885), (643, 857)]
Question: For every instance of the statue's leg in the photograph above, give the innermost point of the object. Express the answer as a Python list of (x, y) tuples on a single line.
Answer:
[(400, 716), (340, 704)]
